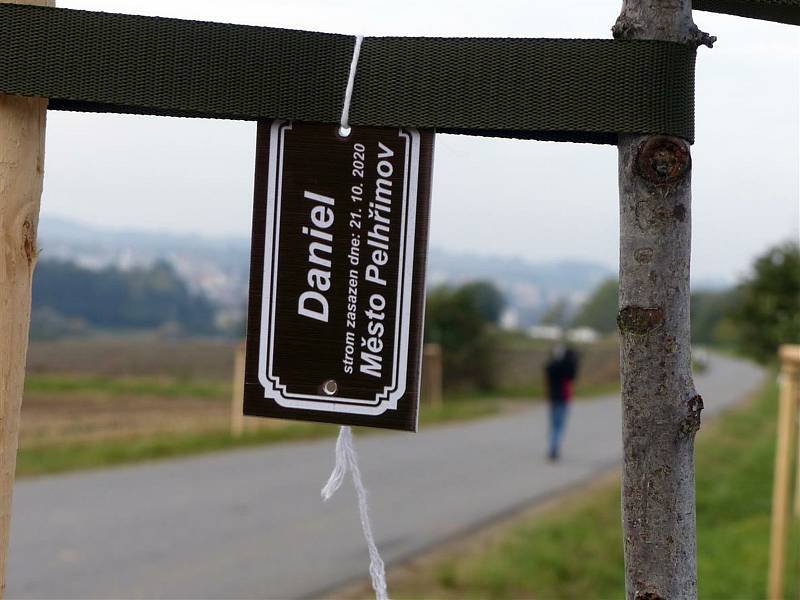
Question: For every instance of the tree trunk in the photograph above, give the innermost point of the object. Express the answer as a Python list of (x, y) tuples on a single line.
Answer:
[(661, 410), (22, 124)]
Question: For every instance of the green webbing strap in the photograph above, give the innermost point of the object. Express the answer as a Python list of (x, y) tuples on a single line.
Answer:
[(781, 11), (573, 90)]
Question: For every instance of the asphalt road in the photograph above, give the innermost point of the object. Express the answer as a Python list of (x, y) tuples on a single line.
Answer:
[(250, 523)]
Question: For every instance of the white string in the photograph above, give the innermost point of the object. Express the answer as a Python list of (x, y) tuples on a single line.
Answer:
[(340, 469), (347, 458), (344, 125)]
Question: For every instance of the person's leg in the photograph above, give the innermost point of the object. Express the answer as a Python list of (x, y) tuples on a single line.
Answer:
[(562, 424), (556, 425)]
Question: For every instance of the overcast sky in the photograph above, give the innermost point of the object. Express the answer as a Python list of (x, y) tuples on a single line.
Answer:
[(534, 200)]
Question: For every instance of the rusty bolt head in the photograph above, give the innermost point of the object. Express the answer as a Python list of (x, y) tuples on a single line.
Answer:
[(663, 159)]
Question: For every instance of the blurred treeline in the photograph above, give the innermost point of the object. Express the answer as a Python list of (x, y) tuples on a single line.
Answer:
[(753, 317), (477, 354), (463, 321), (71, 300)]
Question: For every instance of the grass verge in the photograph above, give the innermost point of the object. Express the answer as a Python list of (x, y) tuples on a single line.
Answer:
[(118, 386), (576, 551), (68, 457), (582, 390), (46, 459)]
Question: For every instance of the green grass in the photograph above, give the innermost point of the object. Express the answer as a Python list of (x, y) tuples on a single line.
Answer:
[(576, 552), (734, 499), (116, 386), (55, 458), (67, 457), (167, 387), (582, 390)]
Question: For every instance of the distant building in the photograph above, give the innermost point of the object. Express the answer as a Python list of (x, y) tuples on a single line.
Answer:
[(583, 335), (546, 332), (509, 319), (578, 335)]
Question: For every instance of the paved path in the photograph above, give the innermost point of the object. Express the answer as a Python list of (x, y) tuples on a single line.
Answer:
[(250, 524)]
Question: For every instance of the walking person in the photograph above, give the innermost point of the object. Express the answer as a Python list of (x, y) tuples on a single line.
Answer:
[(560, 372)]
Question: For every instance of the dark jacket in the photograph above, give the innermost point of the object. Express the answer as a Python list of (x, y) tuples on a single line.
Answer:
[(559, 374)]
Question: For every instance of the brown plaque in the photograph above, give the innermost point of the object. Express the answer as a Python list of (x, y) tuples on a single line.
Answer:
[(337, 279)]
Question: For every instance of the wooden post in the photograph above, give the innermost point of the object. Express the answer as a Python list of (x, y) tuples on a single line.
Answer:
[(793, 354), (660, 407), (787, 415), (237, 395), (432, 374), (22, 126), (797, 463)]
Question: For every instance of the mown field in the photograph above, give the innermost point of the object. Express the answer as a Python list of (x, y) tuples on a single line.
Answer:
[(109, 400), (111, 388), (574, 550)]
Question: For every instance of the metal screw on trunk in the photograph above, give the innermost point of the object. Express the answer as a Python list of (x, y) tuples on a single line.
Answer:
[(330, 387)]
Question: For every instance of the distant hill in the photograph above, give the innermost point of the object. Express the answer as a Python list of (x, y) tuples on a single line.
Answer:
[(530, 288), (218, 267)]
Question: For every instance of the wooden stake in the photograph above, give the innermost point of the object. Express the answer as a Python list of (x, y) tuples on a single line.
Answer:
[(432, 374), (787, 415), (237, 397), (22, 126), (791, 353), (797, 463)]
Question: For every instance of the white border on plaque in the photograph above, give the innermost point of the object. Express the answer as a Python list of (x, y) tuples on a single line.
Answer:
[(273, 388)]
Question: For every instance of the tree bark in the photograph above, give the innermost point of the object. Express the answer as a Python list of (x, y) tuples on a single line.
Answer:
[(661, 409), (22, 126)]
